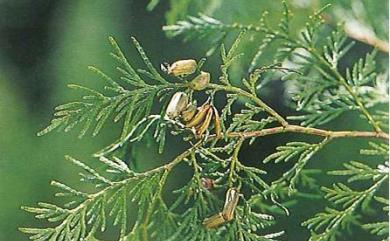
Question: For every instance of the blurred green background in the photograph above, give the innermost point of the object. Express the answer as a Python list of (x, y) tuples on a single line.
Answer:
[(44, 45)]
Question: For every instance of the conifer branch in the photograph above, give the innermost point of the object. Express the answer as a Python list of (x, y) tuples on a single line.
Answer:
[(309, 131), (98, 201), (344, 82), (258, 101), (320, 91), (288, 127), (156, 198), (331, 221)]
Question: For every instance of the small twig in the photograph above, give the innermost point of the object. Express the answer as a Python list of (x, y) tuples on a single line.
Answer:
[(343, 82), (372, 41), (113, 185), (155, 199), (278, 66), (252, 97), (295, 128), (120, 142), (369, 39), (292, 174), (353, 206), (234, 162), (309, 131)]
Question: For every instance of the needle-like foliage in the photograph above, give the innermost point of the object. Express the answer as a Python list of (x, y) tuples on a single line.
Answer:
[(320, 90)]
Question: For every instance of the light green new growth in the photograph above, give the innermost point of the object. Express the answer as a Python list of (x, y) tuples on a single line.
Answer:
[(321, 92)]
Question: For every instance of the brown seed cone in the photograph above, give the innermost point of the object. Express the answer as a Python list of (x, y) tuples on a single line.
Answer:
[(214, 221), (182, 67), (199, 117), (189, 113)]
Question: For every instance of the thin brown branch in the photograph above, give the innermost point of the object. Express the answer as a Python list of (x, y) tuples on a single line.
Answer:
[(378, 133), (310, 131), (369, 39)]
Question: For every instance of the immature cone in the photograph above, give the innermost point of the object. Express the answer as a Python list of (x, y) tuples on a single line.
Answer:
[(201, 81), (214, 221), (182, 67), (189, 113), (231, 200), (208, 183)]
